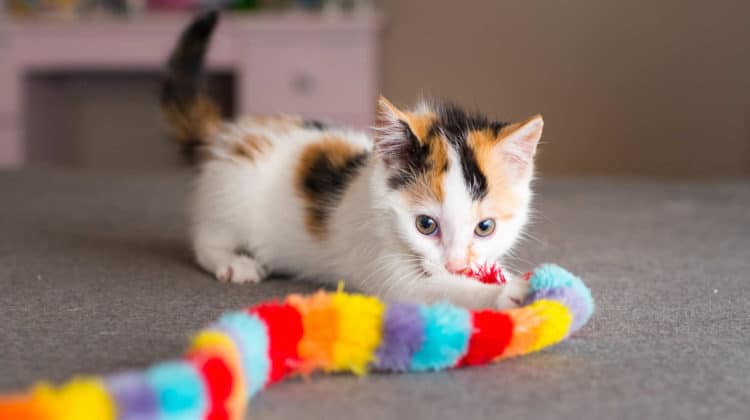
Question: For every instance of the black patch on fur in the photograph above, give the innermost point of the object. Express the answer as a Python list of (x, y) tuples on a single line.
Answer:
[(326, 182), (497, 126), (314, 125), (455, 124), (412, 160)]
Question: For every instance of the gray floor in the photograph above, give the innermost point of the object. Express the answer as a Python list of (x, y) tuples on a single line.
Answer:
[(95, 276)]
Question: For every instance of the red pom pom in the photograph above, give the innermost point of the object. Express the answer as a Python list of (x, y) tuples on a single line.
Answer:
[(218, 379), (488, 274), (284, 324), (490, 336)]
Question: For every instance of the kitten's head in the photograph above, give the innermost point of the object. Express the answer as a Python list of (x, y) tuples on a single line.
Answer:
[(455, 185)]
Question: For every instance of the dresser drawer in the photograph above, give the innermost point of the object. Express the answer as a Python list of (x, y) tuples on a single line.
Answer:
[(308, 80)]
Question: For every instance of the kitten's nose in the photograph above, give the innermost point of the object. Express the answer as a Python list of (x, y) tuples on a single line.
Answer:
[(456, 266)]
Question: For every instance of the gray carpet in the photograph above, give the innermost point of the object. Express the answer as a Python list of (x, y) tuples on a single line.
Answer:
[(95, 276)]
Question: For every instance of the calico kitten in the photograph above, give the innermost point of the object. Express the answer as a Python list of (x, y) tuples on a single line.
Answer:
[(400, 215)]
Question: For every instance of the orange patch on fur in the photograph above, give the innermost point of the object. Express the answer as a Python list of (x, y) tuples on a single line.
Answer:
[(483, 143), (430, 184), (337, 150), (200, 121), (501, 202), (321, 172), (419, 124), (438, 164)]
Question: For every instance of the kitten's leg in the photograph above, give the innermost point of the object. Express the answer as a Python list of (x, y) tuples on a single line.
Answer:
[(218, 253), (514, 291), (464, 292)]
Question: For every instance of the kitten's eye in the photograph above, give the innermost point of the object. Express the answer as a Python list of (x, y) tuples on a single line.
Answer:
[(485, 227), (426, 225)]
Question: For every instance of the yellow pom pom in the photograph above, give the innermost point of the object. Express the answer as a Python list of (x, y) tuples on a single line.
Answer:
[(557, 319), (359, 321), (211, 339), (80, 398)]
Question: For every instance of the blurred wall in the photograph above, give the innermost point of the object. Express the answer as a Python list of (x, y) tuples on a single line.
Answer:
[(626, 87)]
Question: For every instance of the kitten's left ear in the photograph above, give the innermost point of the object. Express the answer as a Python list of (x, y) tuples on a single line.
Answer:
[(394, 139), (517, 143)]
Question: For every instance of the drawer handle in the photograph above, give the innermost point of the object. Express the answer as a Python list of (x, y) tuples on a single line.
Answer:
[(303, 83)]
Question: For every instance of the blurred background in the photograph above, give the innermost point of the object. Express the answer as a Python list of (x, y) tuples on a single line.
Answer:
[(637, 88)]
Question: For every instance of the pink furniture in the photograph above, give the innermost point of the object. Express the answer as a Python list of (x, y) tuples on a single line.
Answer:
[(317, 66)]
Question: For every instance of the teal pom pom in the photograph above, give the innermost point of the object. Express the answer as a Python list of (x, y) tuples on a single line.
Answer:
[(252, 333), (447, 330), (179, 390), (551, 276)]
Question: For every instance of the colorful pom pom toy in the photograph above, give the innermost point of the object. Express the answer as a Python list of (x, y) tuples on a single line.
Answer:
[(243, 352)]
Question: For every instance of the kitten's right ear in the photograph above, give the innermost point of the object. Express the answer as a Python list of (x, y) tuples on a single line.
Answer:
[(394, 139)]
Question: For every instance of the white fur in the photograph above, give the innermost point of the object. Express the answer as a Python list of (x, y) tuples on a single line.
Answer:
[(248, 220)]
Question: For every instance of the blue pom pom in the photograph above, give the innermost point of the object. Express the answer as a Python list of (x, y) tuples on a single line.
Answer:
[(179, 390), (447, 330), (253, 336)]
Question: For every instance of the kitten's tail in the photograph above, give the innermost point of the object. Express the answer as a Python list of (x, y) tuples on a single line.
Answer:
[(191, 115)]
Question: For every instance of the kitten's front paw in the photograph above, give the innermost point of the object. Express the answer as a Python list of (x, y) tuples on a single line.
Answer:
[(513, 294), (242, 270)]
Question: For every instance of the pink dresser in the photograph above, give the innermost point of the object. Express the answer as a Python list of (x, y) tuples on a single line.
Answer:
[(317, 66)]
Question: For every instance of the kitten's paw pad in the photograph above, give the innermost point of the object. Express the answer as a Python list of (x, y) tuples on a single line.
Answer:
[(513, 295), (242, 270), (225, 274)]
